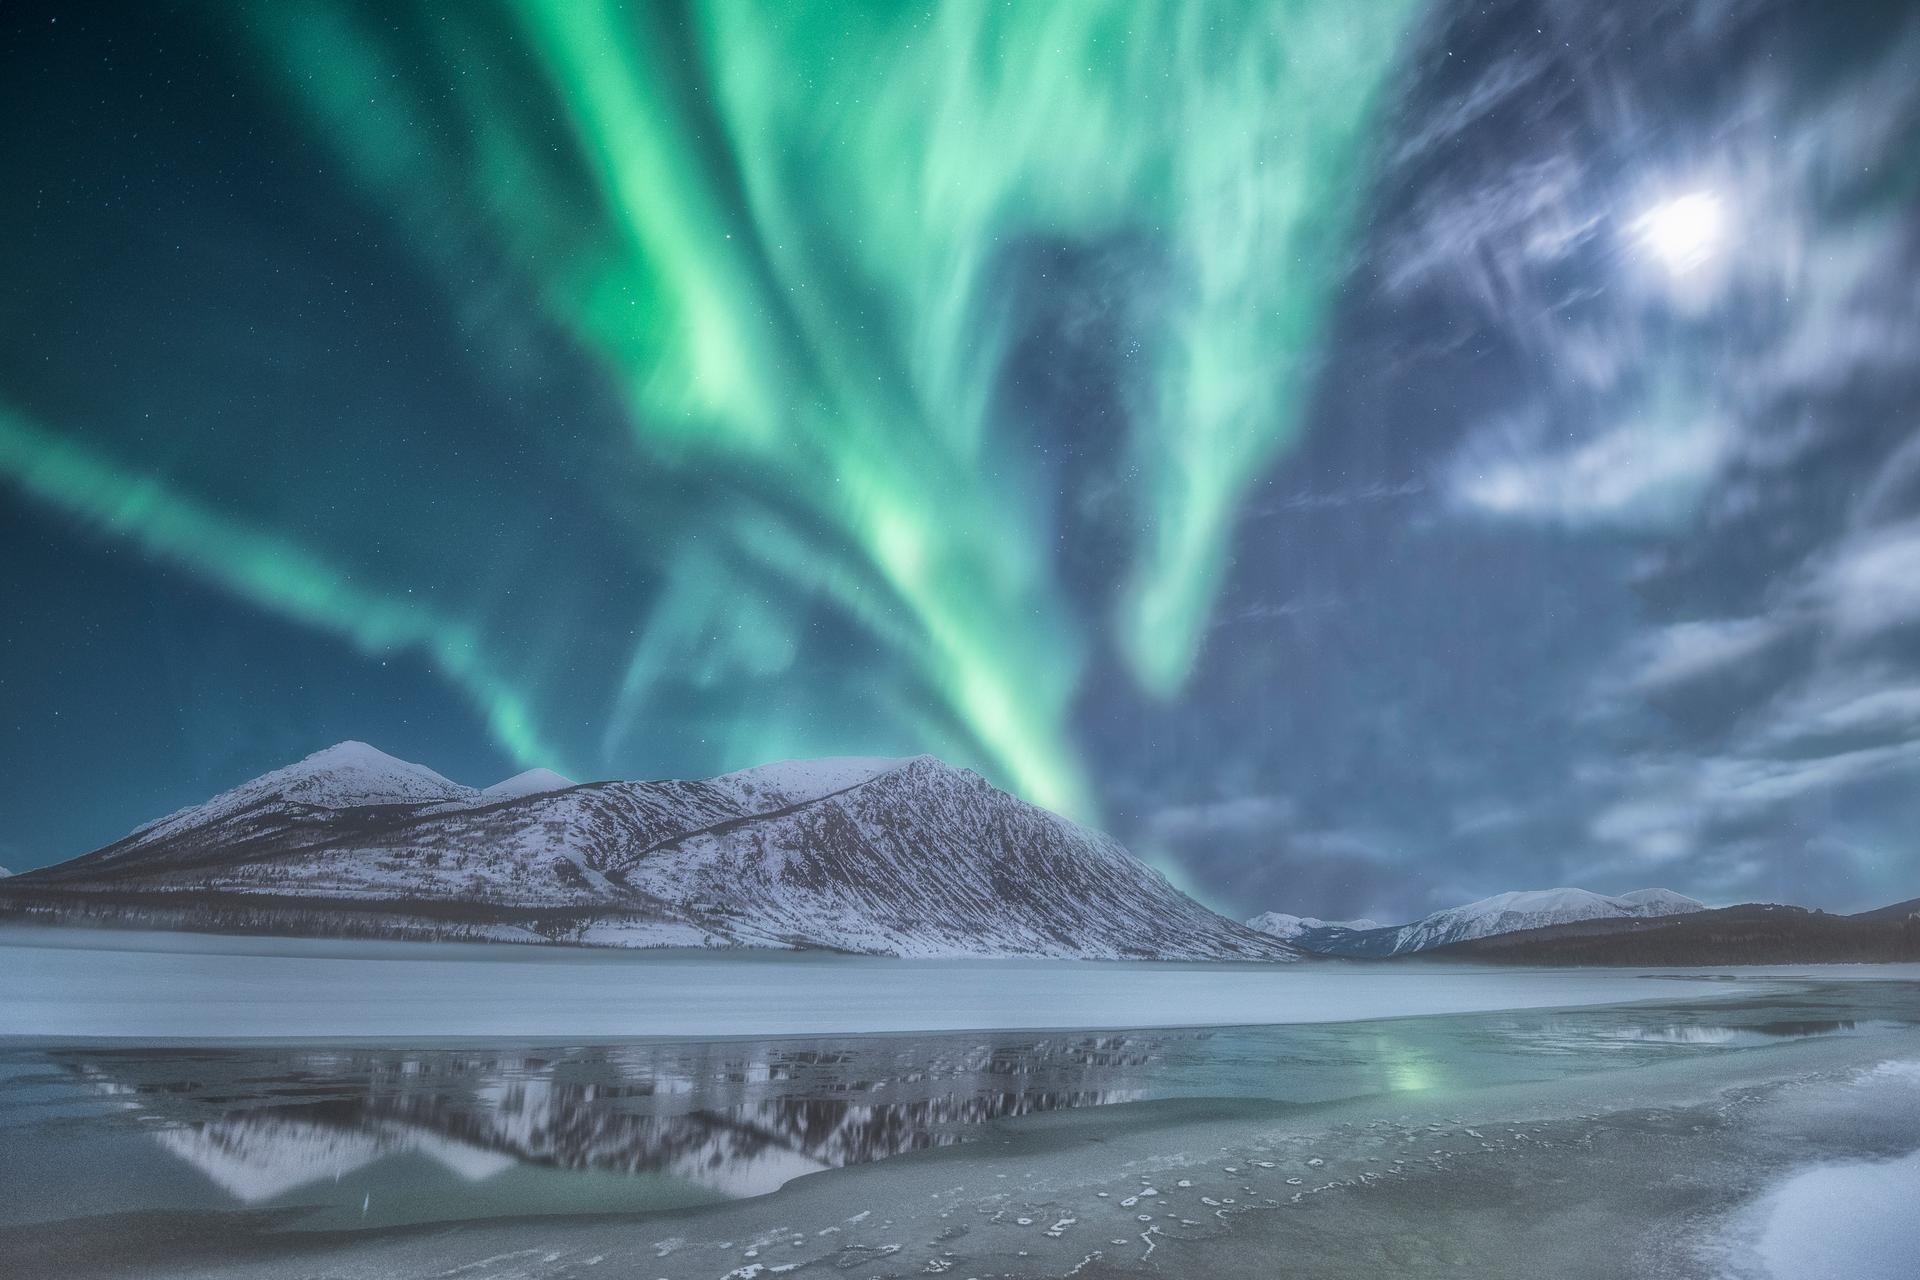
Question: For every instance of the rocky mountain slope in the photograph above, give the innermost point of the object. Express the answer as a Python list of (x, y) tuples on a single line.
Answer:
[(1502, 913), (899, 857)]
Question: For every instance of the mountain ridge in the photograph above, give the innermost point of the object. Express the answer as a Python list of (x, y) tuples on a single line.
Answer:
[(899, 857), (1486, 917), (1749, 933)]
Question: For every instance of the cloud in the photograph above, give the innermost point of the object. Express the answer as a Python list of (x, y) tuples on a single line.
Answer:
[(1737, 418), (1789, 864), (1239, 815), (1483, 819), (1295, 607), (1671, 807), (1739, 784), (1654, 830), (1651, 385), (1685, 652), (1872, 584), (1261, 852), (1339, 499), (1839, 722), (1640, 613), (1877, 710), (1635, 474)]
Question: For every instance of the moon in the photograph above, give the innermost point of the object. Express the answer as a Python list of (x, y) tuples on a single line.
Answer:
[(1684, 233)]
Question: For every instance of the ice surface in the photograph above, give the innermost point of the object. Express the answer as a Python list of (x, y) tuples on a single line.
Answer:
[(1505, 1145), (1624, 1168), (1854, 1219), (68, 983)]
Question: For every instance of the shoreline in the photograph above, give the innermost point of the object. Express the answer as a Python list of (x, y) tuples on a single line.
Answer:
[(371, 992)]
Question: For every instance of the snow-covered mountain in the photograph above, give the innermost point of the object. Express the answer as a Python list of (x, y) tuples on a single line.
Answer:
[(530, 783), (348, 776), (901, 857), (1502, 913), (1307, 931), (1660, 902), (1535, 909)]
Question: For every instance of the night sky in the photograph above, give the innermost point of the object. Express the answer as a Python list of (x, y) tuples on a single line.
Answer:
[(1365, 455)]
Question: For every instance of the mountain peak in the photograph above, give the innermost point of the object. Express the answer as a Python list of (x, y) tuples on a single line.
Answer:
[(367, 764), (1288, 927), (1663, 902), (346, 774), (532, 782), (785, 782), (351, 754)]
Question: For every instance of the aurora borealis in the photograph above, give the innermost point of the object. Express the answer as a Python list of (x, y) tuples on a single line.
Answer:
[(1283, 431)]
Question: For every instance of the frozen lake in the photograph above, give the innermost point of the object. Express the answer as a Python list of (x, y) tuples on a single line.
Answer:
[(63, 984), (1744, 1125)]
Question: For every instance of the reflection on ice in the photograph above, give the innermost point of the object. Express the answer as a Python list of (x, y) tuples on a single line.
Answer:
[(734, 1121), (365, 1137), (1757, 1033), (256, 1159), (741, 1120)]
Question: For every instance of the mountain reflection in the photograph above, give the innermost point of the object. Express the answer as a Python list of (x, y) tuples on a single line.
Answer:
[(732, 1119)]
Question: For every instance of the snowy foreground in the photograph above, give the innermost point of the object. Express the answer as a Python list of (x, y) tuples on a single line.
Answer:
[(1738, 1125), (66, 984)]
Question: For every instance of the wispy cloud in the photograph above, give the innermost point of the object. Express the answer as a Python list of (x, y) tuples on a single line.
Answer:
[(1338, 499), (1237, 815), (1737, 415), (1262, 851), (1872, 582), (1273, 611), (1685, 652), (1635, 474)]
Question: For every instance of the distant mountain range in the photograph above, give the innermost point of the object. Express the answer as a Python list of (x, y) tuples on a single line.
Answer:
[(1288, 928), (1502, 913), (898, 857), (1654, 927), (1752, 933)]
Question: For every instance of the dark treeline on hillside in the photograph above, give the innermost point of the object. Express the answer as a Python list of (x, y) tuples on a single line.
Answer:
[(301, 917), (1749, 934)]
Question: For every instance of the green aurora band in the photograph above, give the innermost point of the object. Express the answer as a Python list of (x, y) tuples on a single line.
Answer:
[(271, 572), (781, 230)]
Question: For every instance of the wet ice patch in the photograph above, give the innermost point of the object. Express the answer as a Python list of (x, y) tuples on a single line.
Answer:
[(1854, 1219)]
